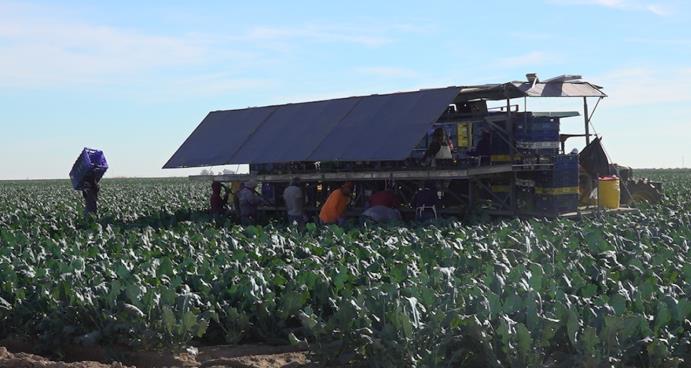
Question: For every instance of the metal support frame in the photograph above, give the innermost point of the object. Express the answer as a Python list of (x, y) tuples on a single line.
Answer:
[(457, 196), (488, 190), (587, 120), (512, 152), (503, 134), (423, 174)]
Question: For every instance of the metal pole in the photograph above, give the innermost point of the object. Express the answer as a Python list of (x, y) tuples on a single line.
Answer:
[(509, 128), (512, 153), (587, 120)]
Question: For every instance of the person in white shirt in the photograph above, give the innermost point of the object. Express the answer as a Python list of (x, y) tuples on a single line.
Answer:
[(248, 201), (294, 199), (439, 148)]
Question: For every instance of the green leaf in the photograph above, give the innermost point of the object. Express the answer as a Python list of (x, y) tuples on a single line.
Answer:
[(525, 342), (189, 319), (618, 303), (169, 319), (4, 304), (572, 324), (662, 317), (293, 339), (590, 341)]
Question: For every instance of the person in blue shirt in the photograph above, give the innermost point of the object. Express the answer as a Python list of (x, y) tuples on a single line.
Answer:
[(426, 202)]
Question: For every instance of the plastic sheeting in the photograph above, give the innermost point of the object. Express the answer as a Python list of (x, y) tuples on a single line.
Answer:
[(525, 89), (372, 128), (560, 89)]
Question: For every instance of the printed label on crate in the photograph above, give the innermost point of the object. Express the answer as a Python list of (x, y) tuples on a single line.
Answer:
[(501, 188), (504, 158), (525, 183), (556, 191), (538, 145)]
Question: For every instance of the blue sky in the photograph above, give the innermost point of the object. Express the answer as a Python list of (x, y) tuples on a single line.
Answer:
[(135, 78)]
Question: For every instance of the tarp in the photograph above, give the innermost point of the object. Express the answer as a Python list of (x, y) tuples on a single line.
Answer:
[(560, 89), (376, 128), (526, 89)]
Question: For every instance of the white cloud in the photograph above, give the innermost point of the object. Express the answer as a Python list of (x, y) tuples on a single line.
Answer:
[(39, 49), (44, 46), (645, 86), (634, 5), (658, 9), (387, 72)]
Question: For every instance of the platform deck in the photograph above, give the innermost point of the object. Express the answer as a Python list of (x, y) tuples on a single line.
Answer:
[(419, 174)]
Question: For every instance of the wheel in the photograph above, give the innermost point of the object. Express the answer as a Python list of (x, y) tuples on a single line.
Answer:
[(643, 191)]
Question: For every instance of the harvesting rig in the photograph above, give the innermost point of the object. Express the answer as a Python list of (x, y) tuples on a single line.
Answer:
[(502, 160)]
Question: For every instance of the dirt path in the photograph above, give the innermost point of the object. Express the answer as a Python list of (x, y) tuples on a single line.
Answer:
[(244, 356), (25, 360)]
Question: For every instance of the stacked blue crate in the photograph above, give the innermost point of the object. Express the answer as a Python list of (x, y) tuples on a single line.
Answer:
[(537, 135), (557, 190), (91, 163)]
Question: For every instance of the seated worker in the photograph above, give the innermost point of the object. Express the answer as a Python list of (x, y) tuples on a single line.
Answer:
[(439, 148), (248, 200), (381, 214), (384, 198), (294, 199), (425, 202), (334, 208), (484, 145), (218, 202)]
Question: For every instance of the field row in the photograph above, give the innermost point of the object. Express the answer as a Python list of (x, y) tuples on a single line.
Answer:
[(154, 271)]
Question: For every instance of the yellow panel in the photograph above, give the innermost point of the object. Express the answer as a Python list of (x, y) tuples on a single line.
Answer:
[(556, 191), (464, 134)]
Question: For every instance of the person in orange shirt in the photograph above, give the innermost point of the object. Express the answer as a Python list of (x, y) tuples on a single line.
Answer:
[(334, 208)]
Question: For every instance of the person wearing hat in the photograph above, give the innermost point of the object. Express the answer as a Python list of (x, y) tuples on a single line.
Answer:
[(333, 210), (248, 200), (294, 200)]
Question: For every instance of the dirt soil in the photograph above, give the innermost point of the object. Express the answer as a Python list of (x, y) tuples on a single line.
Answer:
[(24, 360), (17, 354)]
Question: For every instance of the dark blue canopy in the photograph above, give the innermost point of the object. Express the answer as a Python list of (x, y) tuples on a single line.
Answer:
[(367, 128)]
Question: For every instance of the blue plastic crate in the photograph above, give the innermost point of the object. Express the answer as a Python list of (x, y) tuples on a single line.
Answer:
[(536, 129), (563, 174), (90, 163), (570, 161), (557, 203)]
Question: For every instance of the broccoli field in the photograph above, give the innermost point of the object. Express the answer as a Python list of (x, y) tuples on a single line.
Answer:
[(154, 271)]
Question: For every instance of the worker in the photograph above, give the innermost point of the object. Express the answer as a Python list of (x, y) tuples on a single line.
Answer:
[(90, 191), (385, 198), (333, 210), (248, 200), (439, 148), (381, 214), (425, 202), (483, 149), (217, 202), (294, 200)]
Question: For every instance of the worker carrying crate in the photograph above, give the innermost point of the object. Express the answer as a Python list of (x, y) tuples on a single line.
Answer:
[(86, 172)]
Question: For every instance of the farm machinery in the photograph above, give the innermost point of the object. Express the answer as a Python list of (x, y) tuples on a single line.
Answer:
[(500, 160)]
